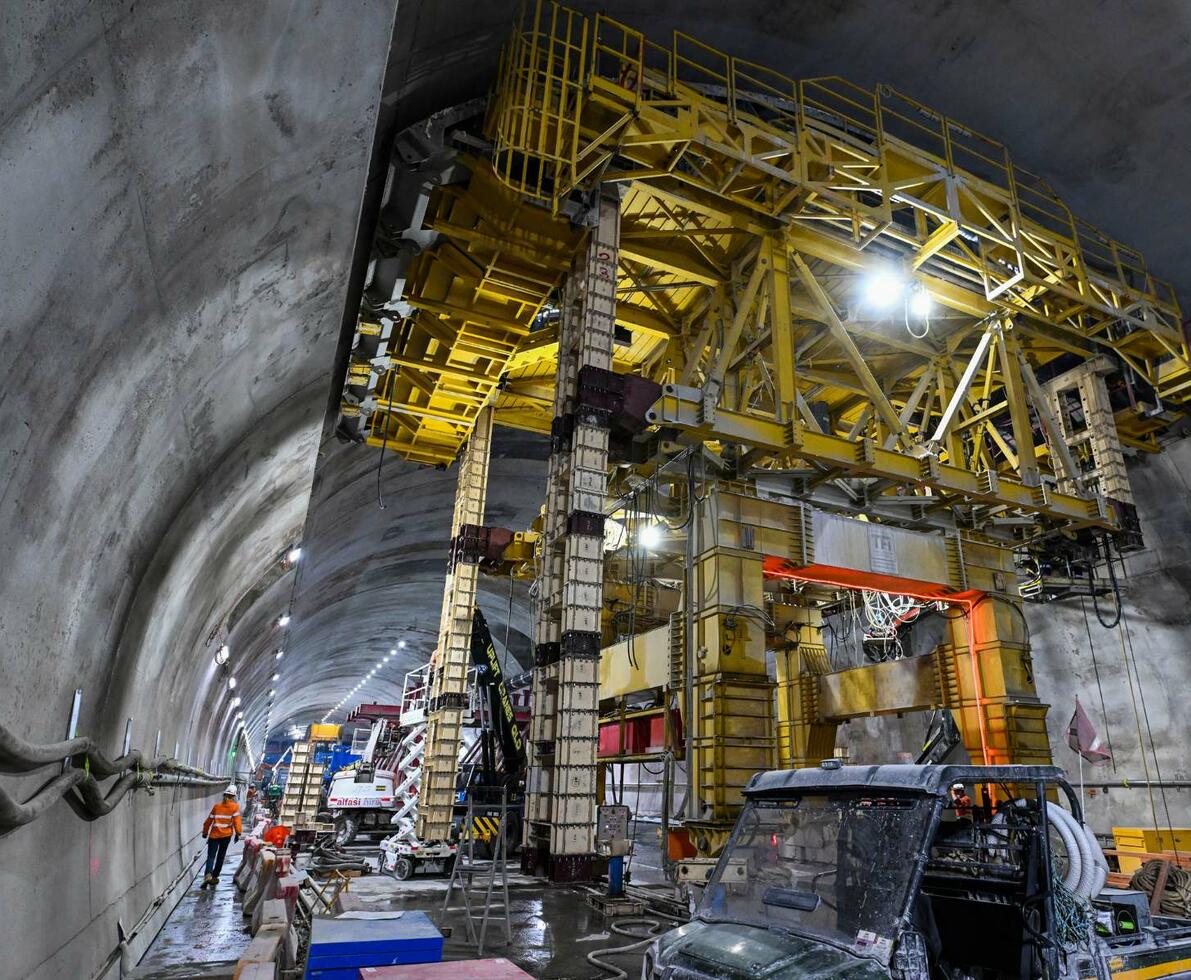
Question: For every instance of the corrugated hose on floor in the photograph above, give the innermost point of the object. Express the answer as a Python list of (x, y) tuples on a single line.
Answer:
[(619, 927), (79, 785), (330, 857)]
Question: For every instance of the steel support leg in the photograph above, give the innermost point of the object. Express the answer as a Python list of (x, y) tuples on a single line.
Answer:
[(731, 734), (560, 824), (986, 678), (449, 663), (803, 737)]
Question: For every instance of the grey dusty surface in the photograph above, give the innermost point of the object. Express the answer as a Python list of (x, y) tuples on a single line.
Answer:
[(180, 185), (553, 927), (206, 934)]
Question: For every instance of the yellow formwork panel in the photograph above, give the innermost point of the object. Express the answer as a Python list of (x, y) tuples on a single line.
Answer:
[(637, 664), (729, 628), (732, 741)]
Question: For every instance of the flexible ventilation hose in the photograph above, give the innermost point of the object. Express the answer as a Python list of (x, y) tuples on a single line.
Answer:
[(619, 927), (1087, 868), (1101, 862)]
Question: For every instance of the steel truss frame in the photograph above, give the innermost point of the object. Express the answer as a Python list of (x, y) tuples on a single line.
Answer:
[(753, 209)]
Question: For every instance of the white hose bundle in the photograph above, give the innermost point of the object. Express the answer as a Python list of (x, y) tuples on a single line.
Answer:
[(1101, 863), (1087, 868)]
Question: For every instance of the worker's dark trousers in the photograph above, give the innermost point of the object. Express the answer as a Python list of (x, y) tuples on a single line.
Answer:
[(216, 852)]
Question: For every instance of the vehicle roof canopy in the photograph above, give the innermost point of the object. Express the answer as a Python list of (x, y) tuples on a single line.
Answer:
[(929, 780)]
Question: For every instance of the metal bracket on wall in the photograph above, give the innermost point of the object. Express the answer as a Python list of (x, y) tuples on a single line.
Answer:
[(72, 727)]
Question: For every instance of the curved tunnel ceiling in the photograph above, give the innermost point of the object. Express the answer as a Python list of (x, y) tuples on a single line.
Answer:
[(186, 266), (180, 194), (1094, 132)]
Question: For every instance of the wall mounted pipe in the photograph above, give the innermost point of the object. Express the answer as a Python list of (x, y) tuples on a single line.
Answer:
[(79, 784), (14, 814)]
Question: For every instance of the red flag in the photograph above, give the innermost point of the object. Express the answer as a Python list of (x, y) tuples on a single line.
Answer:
[(1082, 738)]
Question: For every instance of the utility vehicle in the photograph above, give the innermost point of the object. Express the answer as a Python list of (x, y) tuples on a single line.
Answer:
[(877, 871)]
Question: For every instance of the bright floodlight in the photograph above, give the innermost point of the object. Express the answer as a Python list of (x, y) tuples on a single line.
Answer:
[(883, 288), (222, 654), (401, 644), (650, 536), (280, 654), (920, 303), (231, 683), (271, 693), (284, 620), (294, 555), (276, 677), (393, 651)]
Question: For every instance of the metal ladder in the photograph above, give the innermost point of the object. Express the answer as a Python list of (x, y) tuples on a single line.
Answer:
[(467, 869)]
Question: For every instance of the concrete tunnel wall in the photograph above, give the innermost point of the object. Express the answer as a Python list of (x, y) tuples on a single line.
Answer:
[(179, 187), (179, 191)]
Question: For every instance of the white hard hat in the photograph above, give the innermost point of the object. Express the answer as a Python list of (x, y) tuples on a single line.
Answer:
[(231, 790), (957, 785)]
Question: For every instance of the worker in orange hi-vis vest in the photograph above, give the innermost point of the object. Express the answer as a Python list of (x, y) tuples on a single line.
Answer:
[(222, 824)]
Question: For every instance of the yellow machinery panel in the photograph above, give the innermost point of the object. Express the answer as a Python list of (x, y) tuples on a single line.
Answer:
[(733, 740), (1143, 840), (638, 664), (898, 685)]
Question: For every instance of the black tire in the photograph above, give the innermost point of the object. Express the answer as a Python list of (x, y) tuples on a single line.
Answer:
[(513, 834), (347, 825), (403, 870)]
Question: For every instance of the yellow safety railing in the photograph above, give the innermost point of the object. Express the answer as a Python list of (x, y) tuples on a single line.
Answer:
[(570, 89)]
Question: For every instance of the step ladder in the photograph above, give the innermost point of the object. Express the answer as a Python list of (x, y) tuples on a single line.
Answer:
[(479, 881)]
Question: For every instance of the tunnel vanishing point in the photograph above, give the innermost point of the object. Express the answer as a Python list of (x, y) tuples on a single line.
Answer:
[(713, 351)]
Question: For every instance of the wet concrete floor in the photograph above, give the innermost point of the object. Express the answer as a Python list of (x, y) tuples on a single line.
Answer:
[(206, 933), (552, 927)]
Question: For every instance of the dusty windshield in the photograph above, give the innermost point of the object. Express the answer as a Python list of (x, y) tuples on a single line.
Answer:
[(835, 867)]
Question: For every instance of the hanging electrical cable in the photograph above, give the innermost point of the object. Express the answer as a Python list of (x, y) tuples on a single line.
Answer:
[(1145, 711), (1099, 687), (1116, 589)]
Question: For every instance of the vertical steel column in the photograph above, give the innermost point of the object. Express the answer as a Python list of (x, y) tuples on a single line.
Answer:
[(730, 727), (560, 814), (804, 737), (449, 663), (986, 678)]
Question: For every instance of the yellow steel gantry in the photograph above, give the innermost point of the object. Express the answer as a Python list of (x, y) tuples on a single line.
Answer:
[(963, 414)]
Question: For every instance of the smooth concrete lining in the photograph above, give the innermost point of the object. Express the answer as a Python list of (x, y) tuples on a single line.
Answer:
[(179, 188)]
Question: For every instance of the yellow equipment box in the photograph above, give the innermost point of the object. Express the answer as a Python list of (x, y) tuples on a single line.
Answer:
[(1145, 840), (324, 733)]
